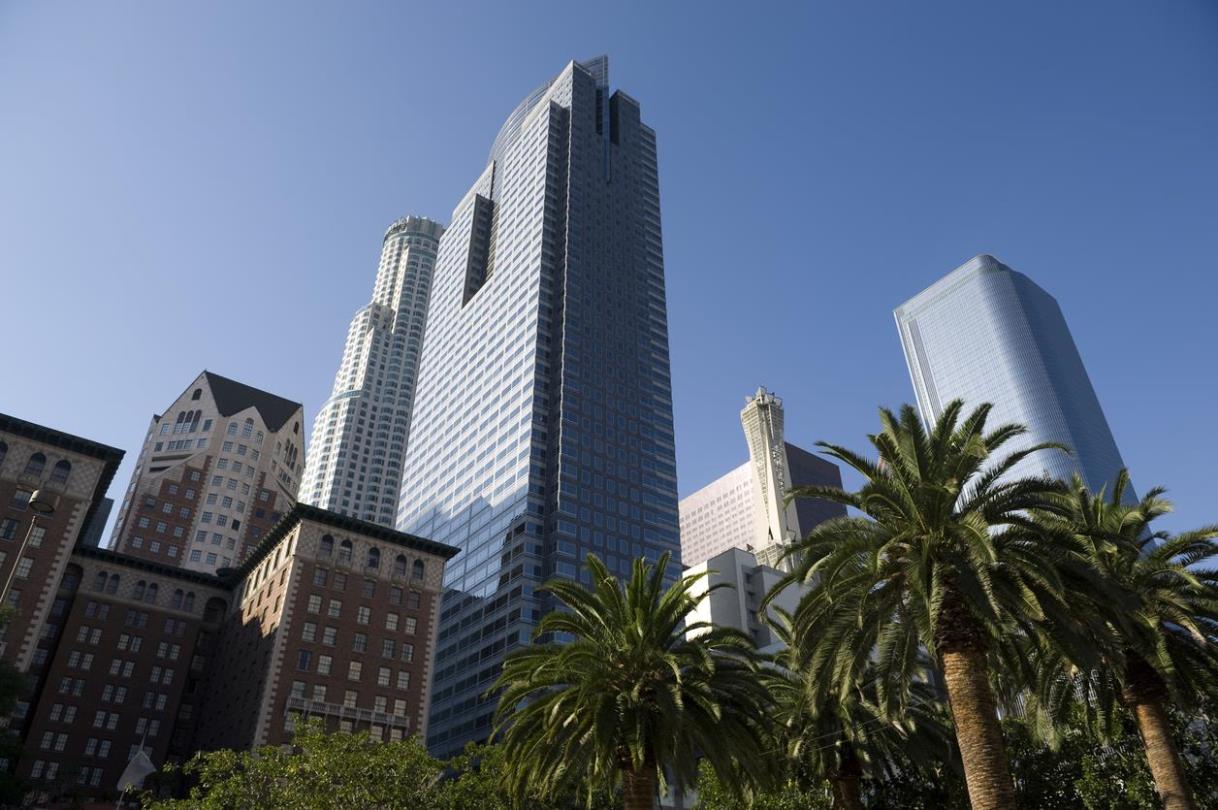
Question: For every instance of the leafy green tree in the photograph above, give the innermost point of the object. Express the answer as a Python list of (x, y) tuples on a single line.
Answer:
[(623, 695), (319, 771), (1161, 628), (476, 779), (934, 562), (714, 795), (843, 733)]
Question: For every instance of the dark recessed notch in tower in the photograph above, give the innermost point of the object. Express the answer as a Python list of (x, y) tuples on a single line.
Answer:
[(480, 261)]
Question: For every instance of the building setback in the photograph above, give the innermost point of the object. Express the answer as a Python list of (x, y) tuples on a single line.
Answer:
[(985, 333), (354, 466), (746, 508), (330, 616), (217, 470), (542, 424)]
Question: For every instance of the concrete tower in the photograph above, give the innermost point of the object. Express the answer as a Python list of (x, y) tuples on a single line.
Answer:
[(359, 436)]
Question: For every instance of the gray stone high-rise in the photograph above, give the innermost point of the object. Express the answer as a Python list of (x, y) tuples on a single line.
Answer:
[(354, 464), (985, 333), (542, 426)]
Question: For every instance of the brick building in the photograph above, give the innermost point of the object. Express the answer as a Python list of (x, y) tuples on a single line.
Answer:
[(328, 616), (217, 470)]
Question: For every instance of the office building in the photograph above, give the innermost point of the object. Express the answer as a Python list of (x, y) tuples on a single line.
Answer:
[(330, 617), (217, 470), (739, 583), (354, 465), (542, 425), (986, 333), (746, 508)]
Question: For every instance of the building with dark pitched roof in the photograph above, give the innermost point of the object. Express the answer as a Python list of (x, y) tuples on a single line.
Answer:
[(327, 616), (218, 468)]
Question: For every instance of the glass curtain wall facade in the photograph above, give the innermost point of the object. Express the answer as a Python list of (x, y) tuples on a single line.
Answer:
[(542, 426), (986, 333), (354, 464)]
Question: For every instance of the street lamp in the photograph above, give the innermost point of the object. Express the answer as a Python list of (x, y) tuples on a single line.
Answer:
[(42, 505)]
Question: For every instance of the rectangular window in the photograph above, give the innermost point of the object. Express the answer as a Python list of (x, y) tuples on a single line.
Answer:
[(314, 605), (323, 664), (403, 679), (329, 636), (388, 648), (360, 643), (391, 621), (411, 624), (383, 675), (336, 608), (363, 614), (309, 631), (304, 660), (353, 670)]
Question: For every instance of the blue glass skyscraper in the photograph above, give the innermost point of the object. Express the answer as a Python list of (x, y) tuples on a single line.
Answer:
[(542, 424), (985, 333)]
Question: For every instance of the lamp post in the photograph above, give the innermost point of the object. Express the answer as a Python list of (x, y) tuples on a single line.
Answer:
[(42, 505)]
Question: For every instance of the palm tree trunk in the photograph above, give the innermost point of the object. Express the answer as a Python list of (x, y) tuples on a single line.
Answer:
[(1146, 694), (978, 732), (639, 788), (845, 782)]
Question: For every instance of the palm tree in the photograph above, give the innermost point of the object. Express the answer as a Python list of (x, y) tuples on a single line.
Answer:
[(1161, 626), (844, 735), (631, 693), (935, 564)]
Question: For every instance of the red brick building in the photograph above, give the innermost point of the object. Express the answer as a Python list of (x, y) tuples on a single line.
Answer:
[(329, 617)]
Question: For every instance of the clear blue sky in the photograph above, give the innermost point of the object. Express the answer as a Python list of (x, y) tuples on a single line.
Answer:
[(205, 185)]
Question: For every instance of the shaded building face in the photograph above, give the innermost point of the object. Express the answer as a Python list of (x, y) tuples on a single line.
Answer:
[(985, 333), (542, 425)]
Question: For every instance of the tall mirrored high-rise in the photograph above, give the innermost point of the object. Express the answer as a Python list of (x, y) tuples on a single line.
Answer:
[(354, 464), (986, 333), (542, 425)]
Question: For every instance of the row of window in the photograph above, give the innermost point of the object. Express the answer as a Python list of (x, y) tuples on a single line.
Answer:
[(384, 675), (372, 560), (36, 464)]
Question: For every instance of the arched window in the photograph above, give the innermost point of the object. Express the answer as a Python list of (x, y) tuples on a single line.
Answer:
[(112, 584), (198, 392), (3, 451), (399, 565), (35, 465), (418, 569), (61, 471), (138, 593), (150, 598), (374, 558), (177, 598), (327, 546), (344, 551), (99, 582), (247, 429), (190, 600)]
